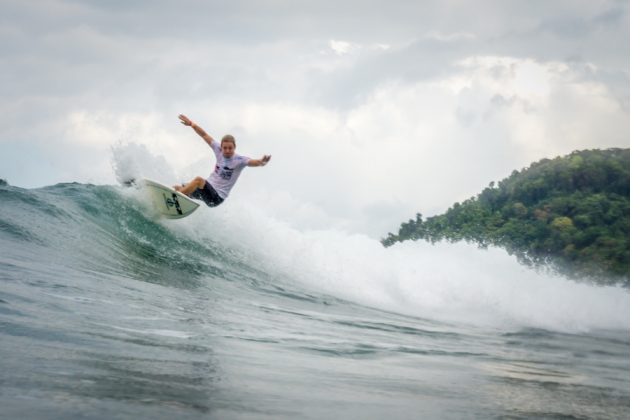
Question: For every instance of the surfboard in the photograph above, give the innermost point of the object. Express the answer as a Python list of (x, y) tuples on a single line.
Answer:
[(168, 202)]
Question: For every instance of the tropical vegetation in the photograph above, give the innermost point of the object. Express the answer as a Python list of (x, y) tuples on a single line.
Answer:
[(571, 213)]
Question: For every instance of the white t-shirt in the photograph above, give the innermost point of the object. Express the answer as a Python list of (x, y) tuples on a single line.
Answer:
[(226, 171)]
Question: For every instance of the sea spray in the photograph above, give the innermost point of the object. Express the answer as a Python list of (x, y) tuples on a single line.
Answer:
[(131, 161), (451, 282)]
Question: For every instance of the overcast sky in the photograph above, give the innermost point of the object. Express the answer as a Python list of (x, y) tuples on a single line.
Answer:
[(372, 110)]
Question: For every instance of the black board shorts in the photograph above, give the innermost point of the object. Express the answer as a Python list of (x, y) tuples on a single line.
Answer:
[(208, 195)]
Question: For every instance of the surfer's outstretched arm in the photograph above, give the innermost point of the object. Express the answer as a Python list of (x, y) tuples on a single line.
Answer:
[(259, 162), (187, 122)]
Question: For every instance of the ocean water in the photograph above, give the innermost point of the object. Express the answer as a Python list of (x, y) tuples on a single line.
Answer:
[(107, 312)]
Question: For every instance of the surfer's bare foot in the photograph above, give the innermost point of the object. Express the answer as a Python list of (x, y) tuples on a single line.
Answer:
[(177, 187)]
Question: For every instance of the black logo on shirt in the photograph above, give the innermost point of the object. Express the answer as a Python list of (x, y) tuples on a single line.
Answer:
[(225, 172)]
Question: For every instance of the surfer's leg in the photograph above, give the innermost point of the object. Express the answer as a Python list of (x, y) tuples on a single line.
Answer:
[(197, 182)]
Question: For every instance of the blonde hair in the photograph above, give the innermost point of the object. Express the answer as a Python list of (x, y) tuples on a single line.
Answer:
[(228, 138)]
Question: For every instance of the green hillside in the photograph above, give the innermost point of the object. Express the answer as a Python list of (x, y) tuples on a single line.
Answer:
[(571, 212)]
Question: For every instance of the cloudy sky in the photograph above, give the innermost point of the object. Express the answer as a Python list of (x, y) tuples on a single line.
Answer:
[(373, 110)]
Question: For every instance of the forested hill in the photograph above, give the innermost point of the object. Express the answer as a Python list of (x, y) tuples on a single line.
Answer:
[(572, 212)]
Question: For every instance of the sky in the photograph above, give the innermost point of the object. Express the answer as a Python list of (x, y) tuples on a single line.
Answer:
[(373, 110)]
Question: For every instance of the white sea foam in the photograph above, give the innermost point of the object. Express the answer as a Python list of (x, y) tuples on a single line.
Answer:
[(448, 282)]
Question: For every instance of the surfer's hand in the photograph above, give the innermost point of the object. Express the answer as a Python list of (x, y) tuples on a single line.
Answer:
[(185, 120), (259, 162)]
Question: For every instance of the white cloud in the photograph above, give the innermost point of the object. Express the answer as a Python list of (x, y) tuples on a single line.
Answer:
[(342, 47), (551, 107), (381, 47), (451, 37)]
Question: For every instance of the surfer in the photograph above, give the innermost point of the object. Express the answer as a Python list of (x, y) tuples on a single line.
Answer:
[(214, 190)]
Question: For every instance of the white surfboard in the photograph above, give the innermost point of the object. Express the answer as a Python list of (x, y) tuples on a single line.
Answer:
[(170, 203)]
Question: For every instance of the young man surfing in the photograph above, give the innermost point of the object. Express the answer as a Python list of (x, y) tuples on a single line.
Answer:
[(214, 190)]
